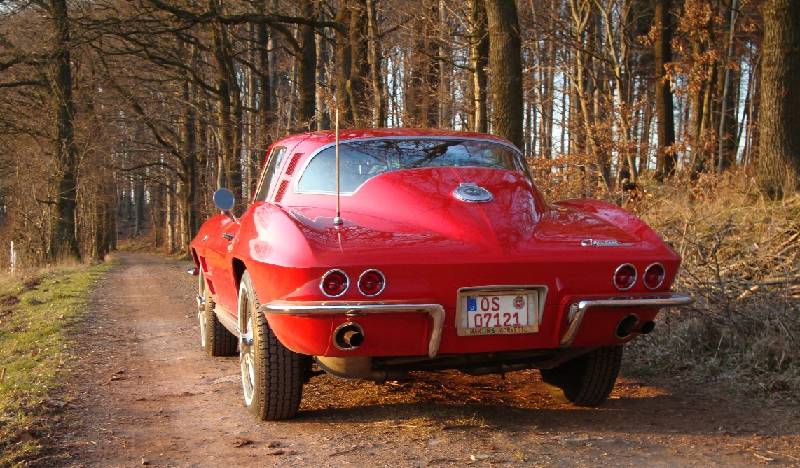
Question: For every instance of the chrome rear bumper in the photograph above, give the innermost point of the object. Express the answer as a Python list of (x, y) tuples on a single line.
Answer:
[(578, 309), (357, 309), (436, 312)]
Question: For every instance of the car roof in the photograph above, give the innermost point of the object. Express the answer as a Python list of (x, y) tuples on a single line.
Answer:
[(329, 136)]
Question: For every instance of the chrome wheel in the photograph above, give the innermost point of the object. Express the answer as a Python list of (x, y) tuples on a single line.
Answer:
[(247, 352)]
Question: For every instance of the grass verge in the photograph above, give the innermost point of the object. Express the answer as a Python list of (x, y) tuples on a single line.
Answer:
[(35, 314)]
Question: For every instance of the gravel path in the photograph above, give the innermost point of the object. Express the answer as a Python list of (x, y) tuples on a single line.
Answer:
[(144, 393)]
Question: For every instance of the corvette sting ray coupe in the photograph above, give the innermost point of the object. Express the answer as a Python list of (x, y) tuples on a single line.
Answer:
[(370, 254)]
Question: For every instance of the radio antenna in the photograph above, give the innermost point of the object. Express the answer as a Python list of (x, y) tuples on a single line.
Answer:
[(337, 221)]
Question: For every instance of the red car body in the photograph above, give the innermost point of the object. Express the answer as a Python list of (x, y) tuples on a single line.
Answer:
[(438, 255)]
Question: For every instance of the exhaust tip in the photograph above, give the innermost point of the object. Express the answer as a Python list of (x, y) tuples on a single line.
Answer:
[(348, 336), (625, 326), (647, 327)]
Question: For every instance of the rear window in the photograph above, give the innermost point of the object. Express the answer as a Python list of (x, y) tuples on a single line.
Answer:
[(361, 160)]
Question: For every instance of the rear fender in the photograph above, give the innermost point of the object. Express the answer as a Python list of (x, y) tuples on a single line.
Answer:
[(616, 216)]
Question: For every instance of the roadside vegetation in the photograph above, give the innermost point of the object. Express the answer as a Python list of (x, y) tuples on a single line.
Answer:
[(741, 263), (36, 313)]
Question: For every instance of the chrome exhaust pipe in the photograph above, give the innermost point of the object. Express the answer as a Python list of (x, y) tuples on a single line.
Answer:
[(625, 326), (348, 336), (647, 327)]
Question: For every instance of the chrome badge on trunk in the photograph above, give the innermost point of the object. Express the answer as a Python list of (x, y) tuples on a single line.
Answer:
[(471, 192)]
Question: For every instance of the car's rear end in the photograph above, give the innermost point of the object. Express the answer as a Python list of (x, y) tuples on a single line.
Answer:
[(442, 266)]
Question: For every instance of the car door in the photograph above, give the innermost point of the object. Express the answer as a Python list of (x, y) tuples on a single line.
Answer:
[(219, 243)]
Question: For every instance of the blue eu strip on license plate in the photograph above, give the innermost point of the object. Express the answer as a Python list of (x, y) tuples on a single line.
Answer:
[(472, 304)]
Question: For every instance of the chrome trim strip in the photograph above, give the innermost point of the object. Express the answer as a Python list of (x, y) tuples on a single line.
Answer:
[(352, 309), (358, 283), (346, 284), (644, 275), (299, 174), (635, 276), (578, 309)]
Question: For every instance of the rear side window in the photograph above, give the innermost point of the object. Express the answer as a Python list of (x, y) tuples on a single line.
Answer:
[(275, 159)]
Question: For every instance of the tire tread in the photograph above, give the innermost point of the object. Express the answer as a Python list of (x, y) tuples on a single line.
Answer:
[(279, 381)]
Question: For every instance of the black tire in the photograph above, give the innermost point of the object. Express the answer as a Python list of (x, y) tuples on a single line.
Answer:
[(589, 379), (274, 380), (215, 339)]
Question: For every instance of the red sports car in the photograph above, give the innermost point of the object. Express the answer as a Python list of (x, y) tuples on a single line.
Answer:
[(401, 250)]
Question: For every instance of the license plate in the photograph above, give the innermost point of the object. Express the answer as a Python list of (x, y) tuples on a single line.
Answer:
[(498, 312)]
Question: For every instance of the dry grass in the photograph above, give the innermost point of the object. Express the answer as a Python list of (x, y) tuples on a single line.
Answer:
[(741, 262)]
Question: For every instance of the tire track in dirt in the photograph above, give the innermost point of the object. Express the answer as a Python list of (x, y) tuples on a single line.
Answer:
[(143, 392)]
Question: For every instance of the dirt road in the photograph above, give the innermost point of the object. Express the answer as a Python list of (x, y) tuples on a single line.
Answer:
[(143, 393)]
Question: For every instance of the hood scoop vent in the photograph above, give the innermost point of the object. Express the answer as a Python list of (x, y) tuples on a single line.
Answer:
[(471, 192)]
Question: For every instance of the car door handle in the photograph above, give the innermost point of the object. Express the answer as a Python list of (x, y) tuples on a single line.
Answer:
[(227, 236)]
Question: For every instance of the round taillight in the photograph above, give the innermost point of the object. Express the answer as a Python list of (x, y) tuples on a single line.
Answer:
[(371, 283), (625, 276), (334, 283), (654, 276)]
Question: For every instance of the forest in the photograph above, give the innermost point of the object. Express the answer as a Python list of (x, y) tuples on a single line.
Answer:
[(118, 119)]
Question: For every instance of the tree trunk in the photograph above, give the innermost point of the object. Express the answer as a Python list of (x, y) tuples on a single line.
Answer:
[(265, 91), (779, 161), (665, 162), (505, 62), (376, 76), (359, 65), (306, 69), (230, 111), (479, 57), (64, 240), (343, 63), (729, 108)]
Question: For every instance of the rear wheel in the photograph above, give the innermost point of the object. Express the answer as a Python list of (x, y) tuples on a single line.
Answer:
[(215, 339), (272, 375), (589, 379)]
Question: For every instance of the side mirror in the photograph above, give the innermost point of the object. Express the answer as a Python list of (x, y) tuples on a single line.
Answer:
[(224, 199)]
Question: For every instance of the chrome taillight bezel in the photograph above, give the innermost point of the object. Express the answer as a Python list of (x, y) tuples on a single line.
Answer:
[(346, 282), (635, 276), (663, 276), (358, 283)]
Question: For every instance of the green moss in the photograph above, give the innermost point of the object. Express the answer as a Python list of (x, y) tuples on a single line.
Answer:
[(33, 348)]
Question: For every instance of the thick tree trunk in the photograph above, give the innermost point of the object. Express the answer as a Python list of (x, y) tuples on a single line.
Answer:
[(779, 160), (665, 162), (306, 70), (505, 62), (343, 64), (422, 69), (479, 58), (359, 65), (64, 240)]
